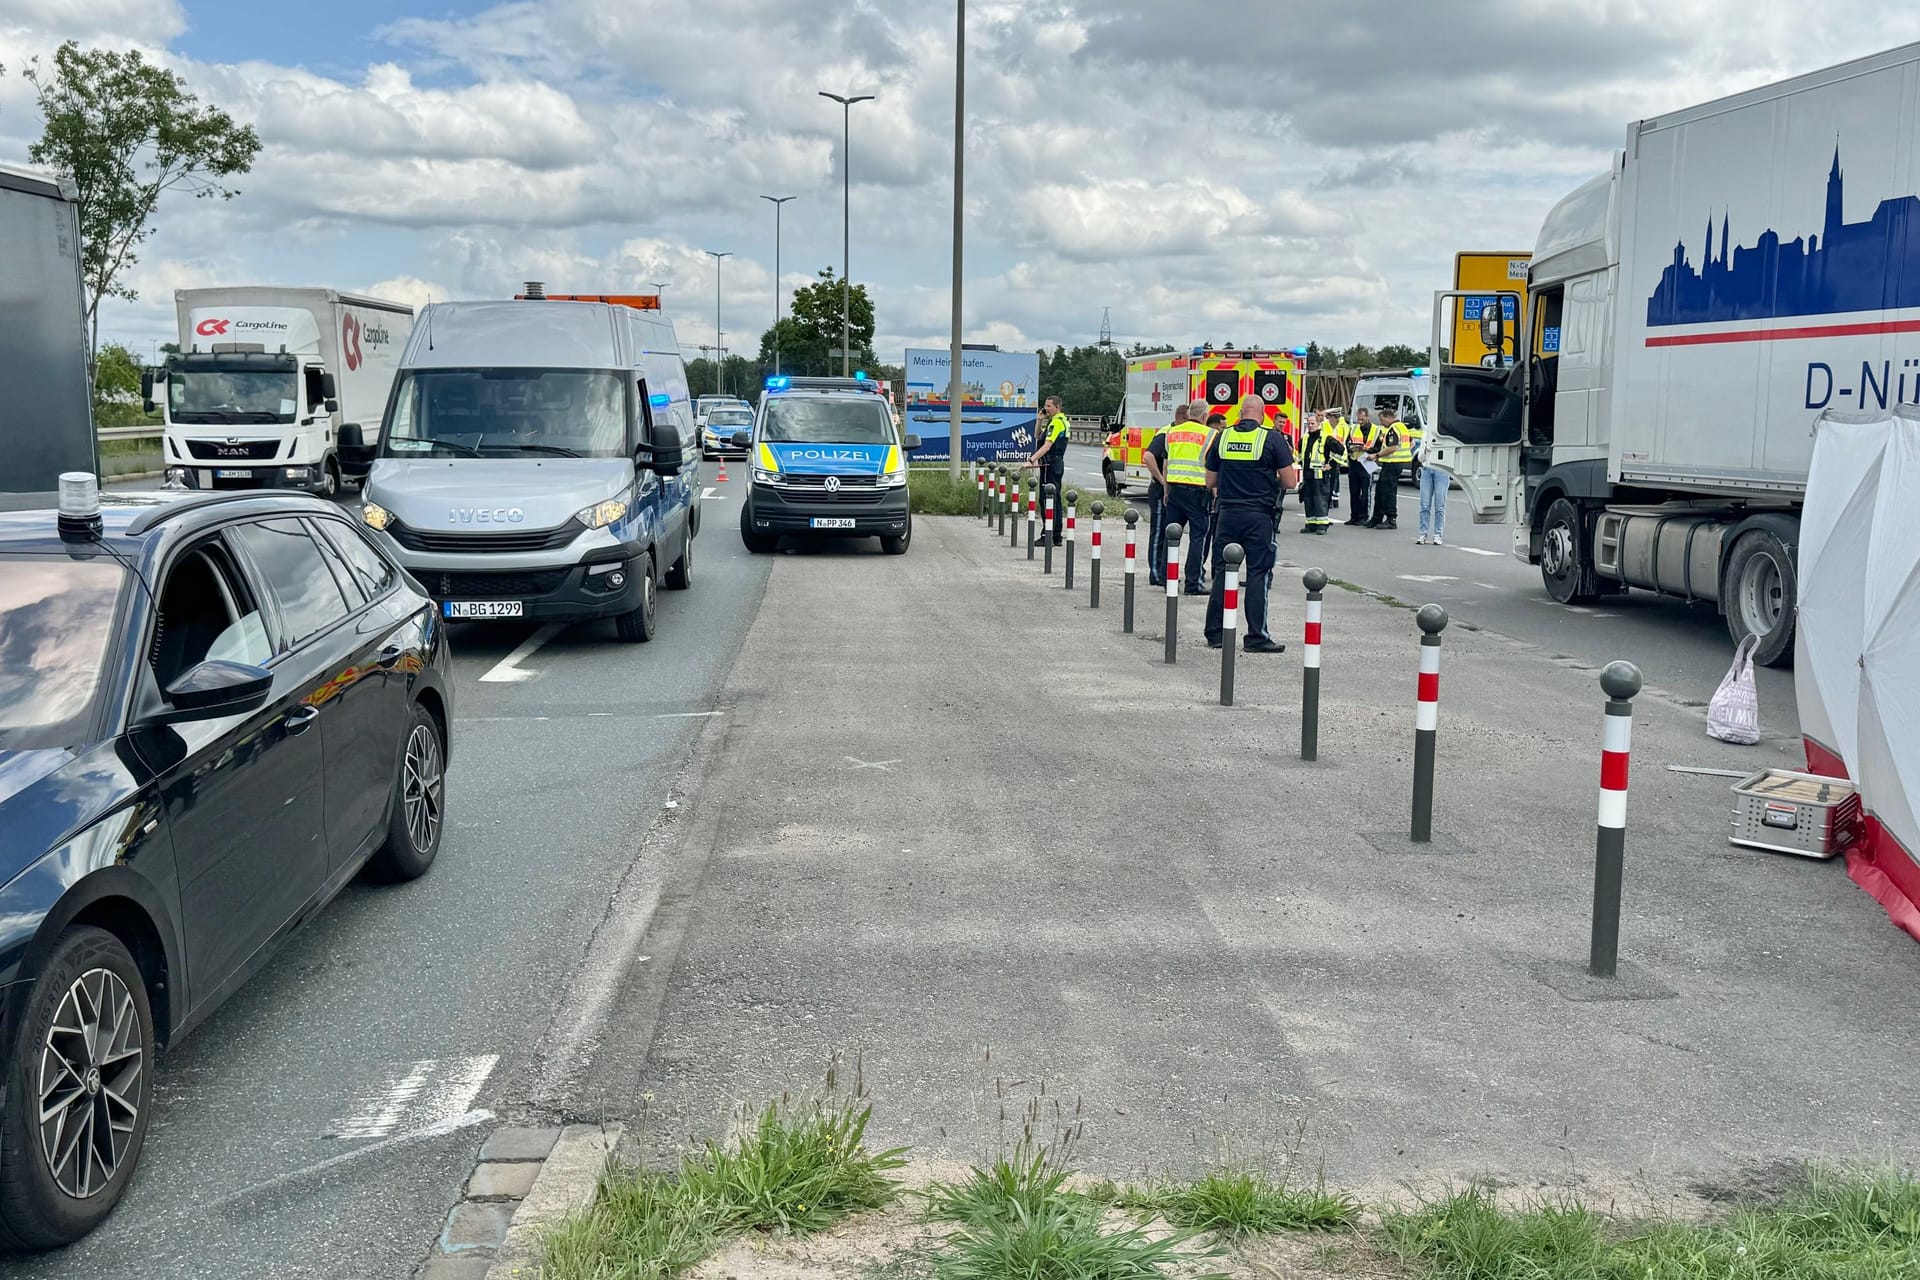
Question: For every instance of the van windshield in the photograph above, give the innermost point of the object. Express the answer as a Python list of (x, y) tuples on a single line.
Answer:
[(493, 413), (850, 420)]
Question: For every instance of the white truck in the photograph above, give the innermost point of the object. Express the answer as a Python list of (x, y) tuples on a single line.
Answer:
[(1687, 315), (279, 388), (46, 415)]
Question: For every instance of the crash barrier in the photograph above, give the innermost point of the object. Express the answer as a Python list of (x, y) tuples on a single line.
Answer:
[(1073, 507), (1174, 533), (1126, 620), (1315, 580), (1229, 618), (1093, 557), (1621, 681), (1046, 530), (1426, 719)]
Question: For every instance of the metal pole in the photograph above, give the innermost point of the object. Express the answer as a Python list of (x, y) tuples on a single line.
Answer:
[(719, 356), (1316, 582), (959, 187), (846, 224), (1173, 534), (778, 303), (1426, 725), (1093, 569), (1229, 618), (1126, 617), (1621, 681), (1045, 524), (1073, 509)]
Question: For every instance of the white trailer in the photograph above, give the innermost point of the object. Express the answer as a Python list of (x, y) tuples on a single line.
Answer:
[(1743, 266), (278, 387)]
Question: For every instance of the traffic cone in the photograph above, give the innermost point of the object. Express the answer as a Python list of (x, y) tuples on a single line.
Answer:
[(723, 471)]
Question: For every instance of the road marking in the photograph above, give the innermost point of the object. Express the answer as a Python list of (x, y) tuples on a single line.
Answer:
[(1426, 577), (881, 765), (711, 494), (687, 715), (1488, 585), (1479, 551), (507, 670), (429, 1092)]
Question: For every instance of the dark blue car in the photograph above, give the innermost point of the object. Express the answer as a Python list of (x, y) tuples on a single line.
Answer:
[(214, 712)]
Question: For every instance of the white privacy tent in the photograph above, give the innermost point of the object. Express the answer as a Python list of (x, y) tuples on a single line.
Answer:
[(1857, 656)]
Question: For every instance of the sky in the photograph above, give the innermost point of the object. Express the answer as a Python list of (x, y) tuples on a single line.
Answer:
[(1261, 173)]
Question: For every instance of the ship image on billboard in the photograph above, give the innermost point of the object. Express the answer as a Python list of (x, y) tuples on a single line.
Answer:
[(999, 411)]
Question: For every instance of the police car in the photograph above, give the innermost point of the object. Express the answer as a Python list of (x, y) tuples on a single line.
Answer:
[(827, 459)]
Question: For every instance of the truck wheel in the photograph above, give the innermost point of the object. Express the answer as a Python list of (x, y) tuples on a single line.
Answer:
[(1759, 593), (1566, 556), (637, 627), (330, 478), (757, 542), (1113, 481)]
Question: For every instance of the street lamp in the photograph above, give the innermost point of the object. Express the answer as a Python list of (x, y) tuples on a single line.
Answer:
[(719, 360), (846, 237), (660, 292), (954, 396), (776, 202)]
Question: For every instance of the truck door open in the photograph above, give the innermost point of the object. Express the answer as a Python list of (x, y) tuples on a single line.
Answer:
[(1477, 418)]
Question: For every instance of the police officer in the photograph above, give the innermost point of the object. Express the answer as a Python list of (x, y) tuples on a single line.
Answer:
[(1397, 443), (1050, 459), (1336, 422), (1154, 458), (1321, 453), (1248, 465), (1188, 500), (1362, 436)]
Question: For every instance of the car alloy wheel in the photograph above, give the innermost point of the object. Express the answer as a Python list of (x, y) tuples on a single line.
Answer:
[(90, 1065), (422, 778)]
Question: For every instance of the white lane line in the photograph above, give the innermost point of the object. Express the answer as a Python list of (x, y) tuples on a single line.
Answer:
[(507, 670), (438, 1130), (711, 494), (1488, 585), (1426, 577), (1479, 551), (429, 1092), (687, 715)]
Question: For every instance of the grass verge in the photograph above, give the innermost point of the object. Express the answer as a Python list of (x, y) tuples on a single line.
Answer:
[(1238, 1202)]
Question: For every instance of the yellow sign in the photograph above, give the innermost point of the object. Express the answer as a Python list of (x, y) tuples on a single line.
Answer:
[(1496, 273)]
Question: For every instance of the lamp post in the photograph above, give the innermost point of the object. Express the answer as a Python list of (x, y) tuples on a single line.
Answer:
[(776, 202), (719, 358), (846, 234), (954, 397), (660, 292)]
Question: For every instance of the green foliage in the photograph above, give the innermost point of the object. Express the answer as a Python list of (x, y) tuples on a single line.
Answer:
[(934, 493), (811, 328), (127, 132), (1394, 355), (640, 1226), (1088, 380), (1243, 1202), (1024, 1181), (116, 389), (1060, 1238)]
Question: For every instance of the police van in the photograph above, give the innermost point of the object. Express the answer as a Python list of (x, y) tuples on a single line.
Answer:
[(826, 458)]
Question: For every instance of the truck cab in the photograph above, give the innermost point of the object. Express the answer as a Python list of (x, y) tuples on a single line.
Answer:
[(826, 458)]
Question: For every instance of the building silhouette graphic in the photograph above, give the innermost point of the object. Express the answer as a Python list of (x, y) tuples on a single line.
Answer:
[(1859, 266)]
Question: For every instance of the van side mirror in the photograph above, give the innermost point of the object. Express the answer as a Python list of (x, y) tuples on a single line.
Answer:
[(742, 440), (911, 443)]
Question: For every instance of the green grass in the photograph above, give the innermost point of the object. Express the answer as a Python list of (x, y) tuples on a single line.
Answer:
[(1837, 1226), (1242, 1202), (934, 493)]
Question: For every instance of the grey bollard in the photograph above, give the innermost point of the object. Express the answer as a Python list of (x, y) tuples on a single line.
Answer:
[(1073, 510), (1234, 556), (1046, 523), (1621, 681), (1126, 619), (1173, 534), (1426, 724), (1315, 581), (1093, 557)]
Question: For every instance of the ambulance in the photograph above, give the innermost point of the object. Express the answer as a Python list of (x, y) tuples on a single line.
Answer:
[(1159, 383)]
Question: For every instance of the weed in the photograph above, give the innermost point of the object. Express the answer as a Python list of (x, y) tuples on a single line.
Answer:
[(1060, 1238), (1023, 1181), (933, 492), (641, 1226), (1243, 1202), (797, 1169)]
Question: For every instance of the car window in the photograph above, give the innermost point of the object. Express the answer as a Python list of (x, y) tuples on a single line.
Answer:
[(349, 585), (294, 568), (368, 567), (205, 611), (56, 619), (839, 420)]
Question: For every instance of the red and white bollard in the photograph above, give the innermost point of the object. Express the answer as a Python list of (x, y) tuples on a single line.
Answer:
[(1093, 552), (1173, 535), (1073, 511), (1132, 518), (1426, 724), (1033, 513), (1045, 525), (980, 487), (1229, 618), (1621, 680)]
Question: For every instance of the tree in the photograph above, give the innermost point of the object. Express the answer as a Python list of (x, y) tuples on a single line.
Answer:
[(1397, 354), (126, 132), (1088, 380), (116, 388), (812, 329)]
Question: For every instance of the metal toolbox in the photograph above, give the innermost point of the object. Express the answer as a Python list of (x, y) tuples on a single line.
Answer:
[(1790, 812)]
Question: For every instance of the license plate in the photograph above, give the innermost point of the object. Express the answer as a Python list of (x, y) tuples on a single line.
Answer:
[(482, 608), (832, 522), (229, 473)]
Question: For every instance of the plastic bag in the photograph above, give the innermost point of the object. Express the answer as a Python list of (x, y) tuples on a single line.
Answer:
[(1734, 714)]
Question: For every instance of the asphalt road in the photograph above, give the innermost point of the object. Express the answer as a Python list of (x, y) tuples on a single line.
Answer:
[(1681, 648), (323, 1121)]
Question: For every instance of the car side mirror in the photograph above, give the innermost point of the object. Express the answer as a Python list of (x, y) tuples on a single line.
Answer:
[(742, 440), (213, 689), (911, 443)]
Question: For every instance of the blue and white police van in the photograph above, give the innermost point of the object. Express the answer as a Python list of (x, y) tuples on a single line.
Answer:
[(827, 458)]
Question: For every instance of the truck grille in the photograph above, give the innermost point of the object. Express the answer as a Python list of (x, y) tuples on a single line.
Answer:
[(491, 586), (532, 540), (246, 451)]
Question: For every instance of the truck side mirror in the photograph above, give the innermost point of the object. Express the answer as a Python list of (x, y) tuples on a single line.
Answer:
[(329, 389), (146, 392)]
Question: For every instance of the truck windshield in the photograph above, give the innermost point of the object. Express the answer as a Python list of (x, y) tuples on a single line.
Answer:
[(56, 616), (794, 420), (491, 413), (208, 395)]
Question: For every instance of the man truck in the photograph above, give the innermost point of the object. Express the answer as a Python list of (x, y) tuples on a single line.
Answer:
[(46, 415), (278, 388), (1686, 317)]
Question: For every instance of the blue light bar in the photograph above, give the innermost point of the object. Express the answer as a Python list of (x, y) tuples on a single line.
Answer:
[(859, 375), (1419, 373), (660, 400), (780, 383)]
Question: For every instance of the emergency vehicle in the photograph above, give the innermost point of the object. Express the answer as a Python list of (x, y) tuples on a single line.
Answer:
[(1158, 383), (827, 457)]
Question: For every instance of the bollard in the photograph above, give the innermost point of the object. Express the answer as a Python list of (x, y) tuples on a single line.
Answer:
[(1046, 524), (999, 502), (1229, 618), (1033, 511), (1174, 533), (1316, 582), (1093, 569), (1073, 509), (980, 486), (1621, 680), (1013, 514), (1426, 724), (1126, 618)]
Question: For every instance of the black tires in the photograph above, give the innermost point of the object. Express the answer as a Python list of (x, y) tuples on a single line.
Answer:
[(637, 625), (78, 1087), (1112, 479), (898, 546), (330, 483), (1759, 592), (757, 542), (417, 813), (680, 572), (1566, 554)]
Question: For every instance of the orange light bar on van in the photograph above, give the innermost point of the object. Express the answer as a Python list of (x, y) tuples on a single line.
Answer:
[(638, 301)]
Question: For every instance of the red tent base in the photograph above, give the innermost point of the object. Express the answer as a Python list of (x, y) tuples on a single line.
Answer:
[(1876, 862)]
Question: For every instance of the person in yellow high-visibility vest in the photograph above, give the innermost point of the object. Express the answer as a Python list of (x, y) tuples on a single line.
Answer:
[(1362, 437), (1189, 502), (1398, 442), (1336, 421), (1050, 459), (1322, 452)]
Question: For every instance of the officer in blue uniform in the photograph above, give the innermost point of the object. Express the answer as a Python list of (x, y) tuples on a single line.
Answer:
[(1249, 466)]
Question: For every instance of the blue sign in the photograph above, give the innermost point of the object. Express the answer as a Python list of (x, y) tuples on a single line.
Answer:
[(1550, 339), (1475, 307), (999, 409)]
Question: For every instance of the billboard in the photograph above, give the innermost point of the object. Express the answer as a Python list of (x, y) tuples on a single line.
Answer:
[(1497, 273), (999, 412)]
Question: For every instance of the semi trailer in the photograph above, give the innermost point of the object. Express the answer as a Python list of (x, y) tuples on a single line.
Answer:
[(46, 415)]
